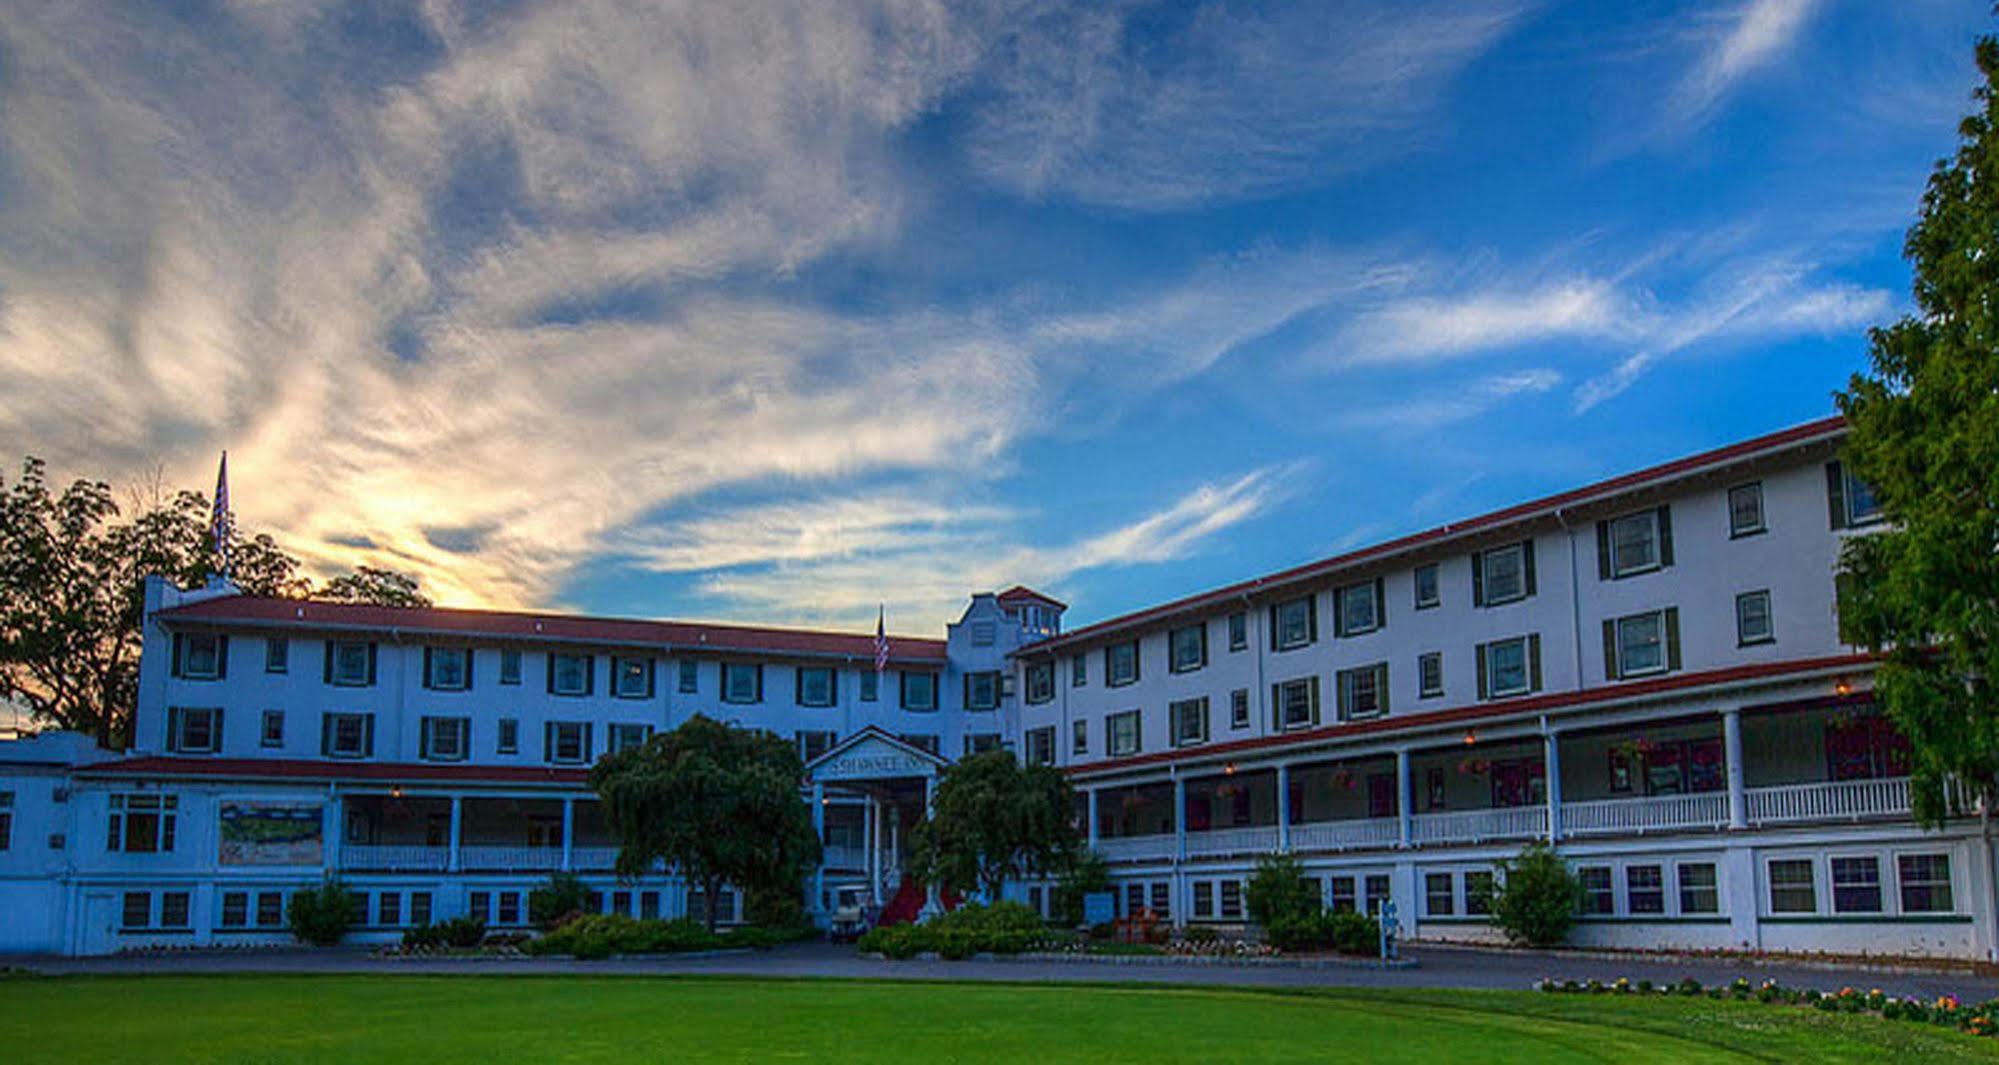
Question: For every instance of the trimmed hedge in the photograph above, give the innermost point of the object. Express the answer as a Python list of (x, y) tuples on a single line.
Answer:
[(1001, 928), (456, 932), (321, 916), (1343, 931), (601, 935)]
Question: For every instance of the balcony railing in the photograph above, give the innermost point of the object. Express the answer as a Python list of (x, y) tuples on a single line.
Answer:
[(1658, 813), (1217, 842), (593, 858), (1477, 826), (510, 858), (1137, 848), (1846, 800), (395, 858), (1356, 834)]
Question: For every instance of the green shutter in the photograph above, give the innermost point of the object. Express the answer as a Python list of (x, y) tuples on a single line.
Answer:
[(1277, 708), (371, 665), (1479, 653), (215, 730), (468, 669), (1339, 612), (1835, 493), (548, 675), (1342, 696), (173, 728), (1665, 536), (326, 735), (328, 647), (1603, 550), (175, 670), (1672, 637), (1380, 603), (221, 657), (426, 667), (1609, 649), (423, 729), (1477, 578), (1315, 700), (548, 741), (1312, 618), (1381, 686), (1534, 661), (1527, 565), (368, 736)]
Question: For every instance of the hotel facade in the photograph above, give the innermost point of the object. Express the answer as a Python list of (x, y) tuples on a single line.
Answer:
[(1644, 672)]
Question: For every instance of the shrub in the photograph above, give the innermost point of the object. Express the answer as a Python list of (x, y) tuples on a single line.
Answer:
[(777, 910), (1537, 898), (1002, 916), (1087, 874), (463, 931), (564, 894), (1278, 891), (1001, 928), (1344, 931), (601, 935), (321, 916)]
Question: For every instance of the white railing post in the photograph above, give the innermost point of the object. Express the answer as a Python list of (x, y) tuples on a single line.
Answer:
[(1284, 807), (457, 829), (1092, 829), (568, 835), (1404, 804), (818, 900), (1551, 771), (1731, 740)]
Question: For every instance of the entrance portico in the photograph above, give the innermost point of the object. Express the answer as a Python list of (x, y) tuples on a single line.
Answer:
[(867, 793)]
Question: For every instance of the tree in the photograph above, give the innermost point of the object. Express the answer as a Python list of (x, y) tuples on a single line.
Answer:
[(72, 593), (719, 803), (1537, 898), (994, 819), (378, 586), (1279, 892), (1086, 874), (1923, 592)]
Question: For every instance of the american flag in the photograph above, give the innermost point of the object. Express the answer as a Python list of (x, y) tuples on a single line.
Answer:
[(881, 639), (221, 523)]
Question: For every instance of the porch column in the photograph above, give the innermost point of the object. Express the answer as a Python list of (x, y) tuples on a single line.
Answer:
[(1551, 770), (336, 830), (819, 832), (1284, 807), (933, 904), (1731, 742), (457, 825), (1091, 829), (1403, 802), (1179, 820), (568, 834)]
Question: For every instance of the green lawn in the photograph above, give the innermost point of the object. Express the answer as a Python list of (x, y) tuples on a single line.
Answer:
[(488, 1020)]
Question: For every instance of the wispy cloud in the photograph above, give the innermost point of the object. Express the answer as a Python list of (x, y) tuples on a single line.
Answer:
[(1429, 328), (1749, 38), (1442, 407)]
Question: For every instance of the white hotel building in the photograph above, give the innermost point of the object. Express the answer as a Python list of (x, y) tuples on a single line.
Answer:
[(1646, 672)]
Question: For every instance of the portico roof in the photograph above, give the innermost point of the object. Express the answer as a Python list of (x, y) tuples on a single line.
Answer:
[(873, 753)]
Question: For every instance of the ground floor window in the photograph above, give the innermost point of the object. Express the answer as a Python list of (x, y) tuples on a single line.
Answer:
[(1699, 891), (1792, 888), (1377, 893), (1438, 895), (1204, 900), (1644, 889), (1478, 893), (1231, 896), (1162, 899), (649, 905), (1856, 884), (1342, 898), (419, 907), (1925, 880), (389, 909), (139, 912), (1598, 898), (1134, 899)]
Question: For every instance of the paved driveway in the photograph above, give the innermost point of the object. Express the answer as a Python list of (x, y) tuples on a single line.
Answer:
[(1436, 967)]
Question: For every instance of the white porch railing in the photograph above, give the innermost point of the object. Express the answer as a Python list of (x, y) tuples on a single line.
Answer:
[(510, 858), (1345, 835), (593, 858), (1260, 840), (394, 858), (1475, 826), (1657, 813), (1137, 848), (1846, 800)]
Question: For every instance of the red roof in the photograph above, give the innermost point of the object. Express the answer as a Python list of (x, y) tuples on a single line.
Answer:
[(1808, 433), (305, 769), (563, 628), (1021, 593)]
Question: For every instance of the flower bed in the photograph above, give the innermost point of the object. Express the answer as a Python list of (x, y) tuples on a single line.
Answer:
[(1945, 1011)]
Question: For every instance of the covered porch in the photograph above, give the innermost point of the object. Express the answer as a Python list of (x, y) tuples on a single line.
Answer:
[(397, 832)]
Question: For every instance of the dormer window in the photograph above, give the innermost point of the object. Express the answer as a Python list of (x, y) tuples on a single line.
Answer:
[(200, 655)]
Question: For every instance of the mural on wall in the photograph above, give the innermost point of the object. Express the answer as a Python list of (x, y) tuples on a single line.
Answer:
[(271, 833)]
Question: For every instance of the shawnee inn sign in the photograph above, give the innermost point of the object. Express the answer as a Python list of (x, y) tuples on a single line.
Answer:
[(873, 755)]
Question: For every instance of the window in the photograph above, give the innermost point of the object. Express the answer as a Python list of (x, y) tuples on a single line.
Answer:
[(1509, 667), (815, 686), (1188, 648), (142, 824), (1231, 897), (632, 678), (690, 676), (1040, 682), (446, 739), (570, 674), (1204, 899), (509, 735), (389, 908), (1791, 887), (1377, 892), (270, 909), (1121, 734), (1238, 631), (235, 909), (194, 730), (447, 668), (350, 663), (277, 654), (1078, 671), (649, 905), (510, 908), (919, 692), (922, 741), (1478, 893), (1162, 896), (200, 655), (742, 682), (1642, 644), (1439, 897), (871, 686), (510, 667), (1079, 737), (1427, 593), (1925, 880), (812, 743), (419, 907), (1745, 509), (1343, 898), (982, 742), (627, 735), (347, 735), (1295, 703), (1699, 890), (1852, 500), (138, 910), (1644, 889), (6, 820), (273, 732), (981, 691), (1239, 708), (1357, 608), (1752, 618), (1430, 674), (1190, 721), (1121, 664), (1363, 692), (1501, 575), (1041, 745), (1856, 884), (1635, 543), (983, 633), (1598, 898), (173, 909), (566, 742), (1293, 624)]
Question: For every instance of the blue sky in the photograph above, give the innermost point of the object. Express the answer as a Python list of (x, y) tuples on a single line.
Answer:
[(780, 311)]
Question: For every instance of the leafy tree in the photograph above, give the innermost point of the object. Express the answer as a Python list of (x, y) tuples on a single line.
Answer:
[(72, 595), (1086, 874), (993, 819), (1924, 591), (719, 803), (1279, 892), (1537, 898), (370, 585)]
